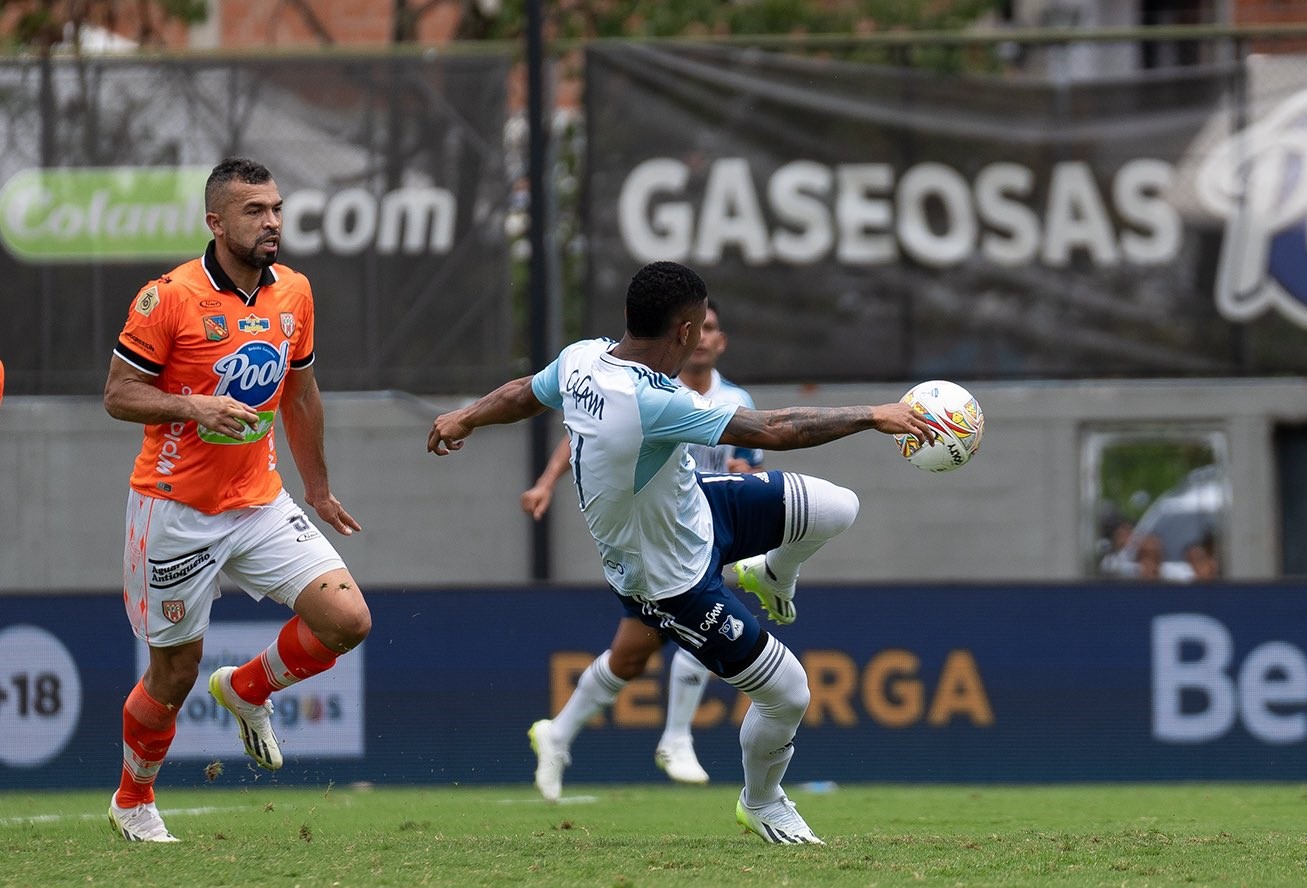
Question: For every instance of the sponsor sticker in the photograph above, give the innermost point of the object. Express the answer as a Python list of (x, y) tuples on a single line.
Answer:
[(254, 324), (147, 301)]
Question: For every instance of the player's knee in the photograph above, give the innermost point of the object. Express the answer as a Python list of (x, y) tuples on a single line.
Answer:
[(355, 626), (833, 508), (629, 664), (346, 627)]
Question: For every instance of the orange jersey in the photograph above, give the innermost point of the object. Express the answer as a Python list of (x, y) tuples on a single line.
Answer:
[(197, 333)]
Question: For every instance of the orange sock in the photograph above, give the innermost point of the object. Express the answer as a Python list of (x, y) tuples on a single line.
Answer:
[(297, 654), (148, 729)]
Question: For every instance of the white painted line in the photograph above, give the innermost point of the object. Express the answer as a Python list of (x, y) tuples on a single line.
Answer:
[(565, 800), (168, 812)]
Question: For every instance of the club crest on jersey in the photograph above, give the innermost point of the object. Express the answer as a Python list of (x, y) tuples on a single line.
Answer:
[(146, 302), (252, 374), (215, 328), (254, 324), (174, 609), (287, 323)]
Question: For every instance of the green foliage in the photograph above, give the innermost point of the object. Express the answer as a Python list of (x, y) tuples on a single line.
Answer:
[(42, 22), (667, 837), (574, 19), (1149, 466)]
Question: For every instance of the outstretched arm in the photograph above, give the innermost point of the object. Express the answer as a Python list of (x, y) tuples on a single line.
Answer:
[(511, 402), (793, 428), (536, 499)]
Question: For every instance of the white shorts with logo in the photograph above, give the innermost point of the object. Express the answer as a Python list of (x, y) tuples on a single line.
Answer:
[(174, 554)]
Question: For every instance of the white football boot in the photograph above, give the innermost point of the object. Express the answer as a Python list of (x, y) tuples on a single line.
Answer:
[(754, 576), (778, 823), (551, 759), (677, 758), (139, 824), (255, 721)]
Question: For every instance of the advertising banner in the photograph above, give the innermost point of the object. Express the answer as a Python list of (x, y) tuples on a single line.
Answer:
[(392, 174), (861, 222), (920, 683)]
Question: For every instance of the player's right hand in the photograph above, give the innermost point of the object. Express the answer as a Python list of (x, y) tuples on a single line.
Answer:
[(223, 413), (535, 502), (900, 419)]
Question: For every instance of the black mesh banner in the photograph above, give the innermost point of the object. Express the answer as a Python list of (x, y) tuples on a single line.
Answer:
[(866, 222), (392, 173)]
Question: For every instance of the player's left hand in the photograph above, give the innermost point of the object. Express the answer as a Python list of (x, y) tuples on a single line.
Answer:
[(331, 511)]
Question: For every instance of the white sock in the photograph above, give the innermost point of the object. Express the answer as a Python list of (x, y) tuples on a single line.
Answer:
[(597, 688), (686, 681), (778, 688), (816, 511)]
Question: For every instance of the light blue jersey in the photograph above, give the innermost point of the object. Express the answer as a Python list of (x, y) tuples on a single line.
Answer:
[(714, 459), (629, 427)]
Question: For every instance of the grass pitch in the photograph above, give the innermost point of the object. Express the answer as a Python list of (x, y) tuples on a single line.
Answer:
[(1130, 836)]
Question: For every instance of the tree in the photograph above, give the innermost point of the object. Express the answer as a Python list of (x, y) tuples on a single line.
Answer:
[(41, 24)]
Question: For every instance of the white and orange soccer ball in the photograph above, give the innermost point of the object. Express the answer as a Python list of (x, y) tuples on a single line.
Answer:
[(958, 422)]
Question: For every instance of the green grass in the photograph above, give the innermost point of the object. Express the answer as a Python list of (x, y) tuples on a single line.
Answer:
[(1126, 836)]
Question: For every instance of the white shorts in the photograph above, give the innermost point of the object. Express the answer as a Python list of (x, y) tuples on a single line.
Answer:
[(174, 554)]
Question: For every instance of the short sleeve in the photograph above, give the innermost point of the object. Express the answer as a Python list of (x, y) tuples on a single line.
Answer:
[(147, 336), (544, 385), (682, 416)]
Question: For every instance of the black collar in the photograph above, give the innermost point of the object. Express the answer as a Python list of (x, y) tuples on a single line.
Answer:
[(222, 281)]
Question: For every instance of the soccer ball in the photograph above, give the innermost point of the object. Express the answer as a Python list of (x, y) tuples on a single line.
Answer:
[(958, 422)]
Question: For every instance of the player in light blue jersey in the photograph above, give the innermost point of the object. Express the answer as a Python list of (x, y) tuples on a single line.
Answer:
[(634, 643), (663, 531)]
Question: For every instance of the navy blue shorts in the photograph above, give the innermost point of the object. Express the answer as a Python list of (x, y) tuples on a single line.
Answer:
[(709, 621)]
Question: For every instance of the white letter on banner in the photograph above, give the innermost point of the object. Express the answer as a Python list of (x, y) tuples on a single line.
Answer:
[(794, 194), (1137, 193), (350, 221), (1076, 217), (858, 213), (667, 235), (297, 206), (1274, 674), (1206, 674), (417, 211), (1015, 239), (919, 185), (730, 214)]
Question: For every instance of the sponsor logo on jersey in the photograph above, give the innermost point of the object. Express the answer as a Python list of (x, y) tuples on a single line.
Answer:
[(215, 328), (139, 342), (164, 574), (710, 618), (253, 372), (210, 303), (254, 324), (147, 301)]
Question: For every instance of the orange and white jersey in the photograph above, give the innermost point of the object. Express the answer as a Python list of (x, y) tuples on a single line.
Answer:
[(197, 333)]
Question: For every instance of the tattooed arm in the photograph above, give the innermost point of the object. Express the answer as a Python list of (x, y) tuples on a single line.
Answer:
[(793, 428)]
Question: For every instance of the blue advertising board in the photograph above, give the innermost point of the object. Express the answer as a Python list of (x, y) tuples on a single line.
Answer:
[(909, 683)]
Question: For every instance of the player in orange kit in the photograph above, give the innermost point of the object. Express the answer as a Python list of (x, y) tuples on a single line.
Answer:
[(210, 353)]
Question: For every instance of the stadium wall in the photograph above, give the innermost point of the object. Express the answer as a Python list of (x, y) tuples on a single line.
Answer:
[(1010, 683), (1015, 514)]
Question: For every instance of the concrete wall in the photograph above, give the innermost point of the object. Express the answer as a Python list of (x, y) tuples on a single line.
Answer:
[(1014, 513)]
